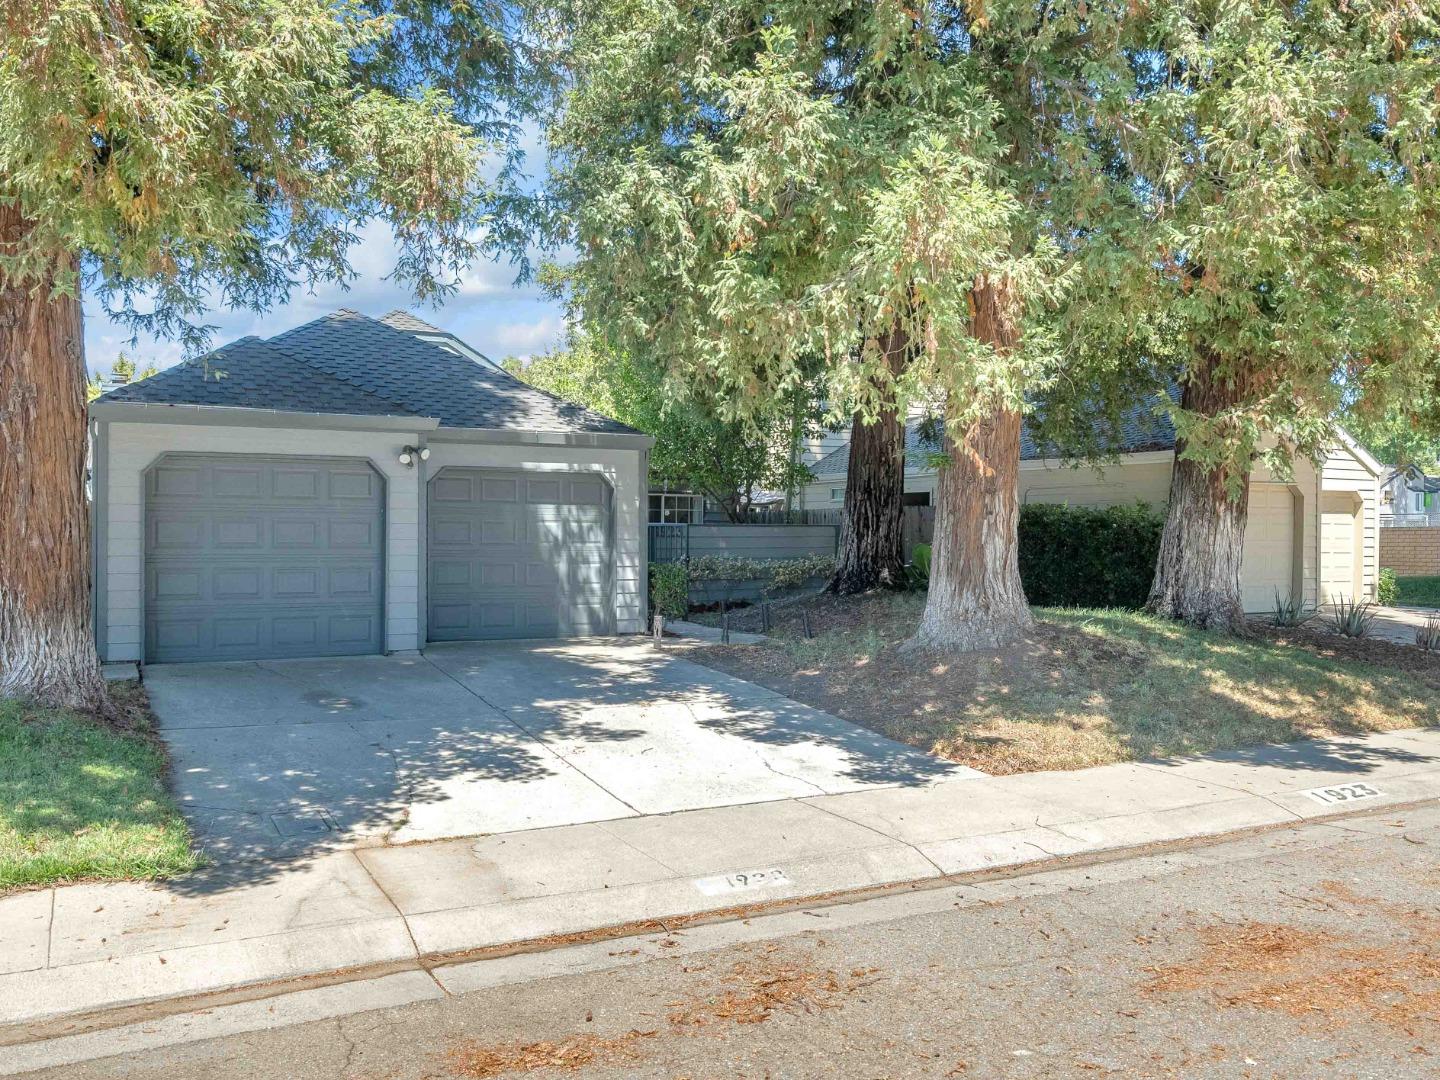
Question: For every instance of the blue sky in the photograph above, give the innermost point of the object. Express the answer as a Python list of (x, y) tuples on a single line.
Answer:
[(489, 312)]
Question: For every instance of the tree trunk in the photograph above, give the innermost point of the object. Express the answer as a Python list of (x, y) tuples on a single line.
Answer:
[(47, 645), (872, 551), (1197, 574), (975, 599)]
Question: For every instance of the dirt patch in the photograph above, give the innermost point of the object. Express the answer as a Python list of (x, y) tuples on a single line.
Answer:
[(1083, 688), (752, 991)]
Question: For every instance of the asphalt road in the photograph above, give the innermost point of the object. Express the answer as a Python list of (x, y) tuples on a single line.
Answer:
[(1312, 952)]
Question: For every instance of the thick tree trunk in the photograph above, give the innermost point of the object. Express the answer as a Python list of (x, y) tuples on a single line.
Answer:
[(871, 551), (975, 599), (47, 647), (1197, 574)]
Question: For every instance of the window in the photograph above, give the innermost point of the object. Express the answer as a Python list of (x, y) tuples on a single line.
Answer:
[(676, 508), (837, 495)]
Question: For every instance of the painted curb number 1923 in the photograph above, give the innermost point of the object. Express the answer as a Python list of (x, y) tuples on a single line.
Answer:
[(1342, 793)]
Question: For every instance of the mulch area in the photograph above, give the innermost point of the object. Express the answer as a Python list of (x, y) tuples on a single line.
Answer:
[(1424, 666)]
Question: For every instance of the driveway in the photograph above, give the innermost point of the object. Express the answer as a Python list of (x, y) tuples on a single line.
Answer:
[(295, 756), (1400, 623)]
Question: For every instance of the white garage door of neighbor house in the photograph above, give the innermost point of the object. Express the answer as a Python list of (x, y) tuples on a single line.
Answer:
[(517, 554), (257, 557), (1269, 558)]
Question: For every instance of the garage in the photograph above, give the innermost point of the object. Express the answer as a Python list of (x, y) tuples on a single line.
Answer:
[(1341, 547), (252, 557), (516, 553), (1267, 567)]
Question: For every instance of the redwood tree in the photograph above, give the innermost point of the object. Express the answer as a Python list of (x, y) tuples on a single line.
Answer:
[(755, 184), (1260, 177), (165, 155)]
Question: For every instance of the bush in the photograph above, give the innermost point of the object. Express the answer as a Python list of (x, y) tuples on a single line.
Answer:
[(1421, 591), (1079, 556), (669, 590), (775, 573), (1387, 591), (917, 573)]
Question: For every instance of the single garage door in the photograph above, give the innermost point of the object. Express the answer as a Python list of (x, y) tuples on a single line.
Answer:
[(250, 558), (1341, 547), (1268, 562), (517, 554)]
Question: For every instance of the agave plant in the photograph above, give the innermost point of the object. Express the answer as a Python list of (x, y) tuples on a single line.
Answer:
[(1428, 636), (1290, 611), (1352, 618)]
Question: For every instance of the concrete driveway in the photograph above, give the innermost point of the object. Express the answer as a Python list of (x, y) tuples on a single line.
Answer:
[(289, 757)]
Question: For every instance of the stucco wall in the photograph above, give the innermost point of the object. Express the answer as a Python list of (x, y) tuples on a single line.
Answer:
[(130, 449)]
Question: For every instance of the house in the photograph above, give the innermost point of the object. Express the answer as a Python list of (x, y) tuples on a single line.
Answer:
[(352, 486), (1409, 497), (1314, 536)]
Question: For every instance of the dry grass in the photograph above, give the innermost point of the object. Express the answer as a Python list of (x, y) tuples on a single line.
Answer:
[(1085, 688)]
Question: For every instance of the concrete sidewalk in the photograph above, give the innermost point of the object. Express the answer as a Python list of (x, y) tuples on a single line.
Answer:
[(84, 949)]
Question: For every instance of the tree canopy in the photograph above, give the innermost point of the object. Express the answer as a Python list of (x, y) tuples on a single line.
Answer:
[(729, 460)]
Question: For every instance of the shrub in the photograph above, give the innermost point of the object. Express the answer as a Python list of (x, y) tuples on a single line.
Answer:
[(1387, 591), (917, 573), (669, 590), (775, 573), (1080, 556), (1428, 636), (1290, 611), (1353, 618)]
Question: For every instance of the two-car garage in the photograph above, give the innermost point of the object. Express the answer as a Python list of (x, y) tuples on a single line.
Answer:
[(265, 556)]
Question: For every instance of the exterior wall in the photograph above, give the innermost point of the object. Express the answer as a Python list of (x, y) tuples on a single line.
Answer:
[(132, 448), (762, 541), (1343, 471), (1114, 485), (625, 472), (1411, 552)]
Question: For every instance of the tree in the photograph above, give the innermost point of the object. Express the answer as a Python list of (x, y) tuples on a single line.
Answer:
[(730, 461), (753, 184), (158, 154), (1260, 176)]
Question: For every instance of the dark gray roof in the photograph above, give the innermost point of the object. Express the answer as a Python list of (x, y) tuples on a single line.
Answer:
[(401, 319), (1141, 428), (348, 363)]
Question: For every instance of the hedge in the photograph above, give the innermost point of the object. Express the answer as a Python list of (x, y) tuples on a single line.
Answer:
[(1079, 556)]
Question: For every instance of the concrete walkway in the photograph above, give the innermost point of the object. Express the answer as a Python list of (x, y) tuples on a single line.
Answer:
[(1400, 623), (89, 948)]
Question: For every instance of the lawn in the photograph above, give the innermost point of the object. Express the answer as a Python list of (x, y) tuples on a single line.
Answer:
[(81, 800), (1420, 591), (1086, 688)]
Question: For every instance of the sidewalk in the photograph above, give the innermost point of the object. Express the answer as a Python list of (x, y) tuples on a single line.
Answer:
[(81, 949)]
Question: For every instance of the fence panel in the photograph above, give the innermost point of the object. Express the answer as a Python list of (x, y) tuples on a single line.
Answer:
[(669, 543), (762, 541), (917, 526)]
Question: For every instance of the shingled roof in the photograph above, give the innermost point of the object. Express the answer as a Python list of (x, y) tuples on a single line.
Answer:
[(1141, 428), (348, 363)]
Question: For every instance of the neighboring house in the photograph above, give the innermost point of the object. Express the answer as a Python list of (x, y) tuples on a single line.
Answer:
[(1315, 537), (357, 486), (1409, 497)]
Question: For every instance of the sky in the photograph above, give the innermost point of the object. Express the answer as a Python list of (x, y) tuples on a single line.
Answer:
[(489, 312)]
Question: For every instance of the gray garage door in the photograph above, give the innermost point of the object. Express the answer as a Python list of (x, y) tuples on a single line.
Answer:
[(250, 558), (518, 555)]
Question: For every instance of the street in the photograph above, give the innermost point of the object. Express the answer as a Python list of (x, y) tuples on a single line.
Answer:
[(1304, 952)]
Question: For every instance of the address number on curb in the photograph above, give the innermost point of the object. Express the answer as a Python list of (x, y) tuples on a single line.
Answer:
[(1343, 793), (742, 881)]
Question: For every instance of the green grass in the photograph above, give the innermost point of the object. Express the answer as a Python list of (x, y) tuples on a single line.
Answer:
[(80, 800), (1090, 687), (1420, 591)]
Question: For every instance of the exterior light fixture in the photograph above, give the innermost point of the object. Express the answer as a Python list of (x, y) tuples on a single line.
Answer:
[(408, 454)]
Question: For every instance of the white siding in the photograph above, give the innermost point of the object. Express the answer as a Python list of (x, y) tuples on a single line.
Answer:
[(133, 448)]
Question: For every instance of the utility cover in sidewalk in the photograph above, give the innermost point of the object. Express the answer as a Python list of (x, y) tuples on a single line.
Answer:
[(311, 824)]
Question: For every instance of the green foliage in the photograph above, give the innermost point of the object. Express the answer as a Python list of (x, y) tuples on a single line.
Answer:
[(695, 446), (669, 590), (1352, 618), (1427, 637), (1290, 611), (917, 573), (1387, 588), (1421, 591), (1074, 556), (777, 574), (185, 153)]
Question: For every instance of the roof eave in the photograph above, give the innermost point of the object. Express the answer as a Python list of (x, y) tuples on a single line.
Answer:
[(152, 412)]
